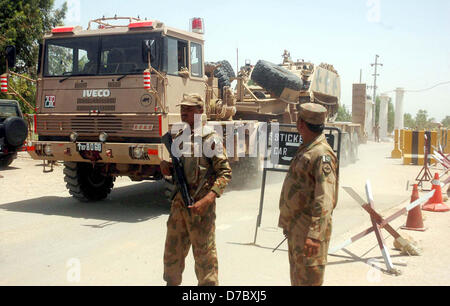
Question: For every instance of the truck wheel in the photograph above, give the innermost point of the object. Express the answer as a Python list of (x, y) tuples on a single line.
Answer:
[(275, 78), (86, 183), (226, 66), (223, 79), (6, 160)]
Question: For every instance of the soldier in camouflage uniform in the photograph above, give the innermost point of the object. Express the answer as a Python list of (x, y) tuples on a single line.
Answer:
[(207, 178), (308, 198)]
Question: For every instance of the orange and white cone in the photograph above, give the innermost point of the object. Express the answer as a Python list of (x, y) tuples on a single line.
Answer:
[(414, 221), (436, 203)]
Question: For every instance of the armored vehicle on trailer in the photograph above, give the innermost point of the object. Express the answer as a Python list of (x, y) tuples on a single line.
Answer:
[(271, 92)]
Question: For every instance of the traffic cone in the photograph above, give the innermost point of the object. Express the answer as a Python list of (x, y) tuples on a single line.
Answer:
[(435, 203), (414, 221)]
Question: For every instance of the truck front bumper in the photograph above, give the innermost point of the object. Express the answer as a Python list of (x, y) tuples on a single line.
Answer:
[(118, 153)]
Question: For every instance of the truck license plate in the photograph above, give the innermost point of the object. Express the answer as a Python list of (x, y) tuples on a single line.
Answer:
[(89, 146)]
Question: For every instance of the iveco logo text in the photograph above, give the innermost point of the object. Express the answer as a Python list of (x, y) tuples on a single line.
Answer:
[(96, 93)]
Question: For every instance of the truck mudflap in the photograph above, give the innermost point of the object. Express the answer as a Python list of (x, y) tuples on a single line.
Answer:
[(118, 153)]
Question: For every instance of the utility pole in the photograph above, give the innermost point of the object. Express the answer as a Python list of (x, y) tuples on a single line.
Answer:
[(376, 64)]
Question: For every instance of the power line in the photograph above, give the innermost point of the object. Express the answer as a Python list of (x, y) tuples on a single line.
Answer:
[(422, 90), (439, 84)]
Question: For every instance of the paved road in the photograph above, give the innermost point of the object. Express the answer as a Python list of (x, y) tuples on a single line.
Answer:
[(48, 238)]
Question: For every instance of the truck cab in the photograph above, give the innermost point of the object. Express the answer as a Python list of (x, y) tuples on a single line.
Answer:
[(105, 97)]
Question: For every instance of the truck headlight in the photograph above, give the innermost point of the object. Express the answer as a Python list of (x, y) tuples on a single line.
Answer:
[(73, 136), (103, 137), (48, 150), (138, 152)]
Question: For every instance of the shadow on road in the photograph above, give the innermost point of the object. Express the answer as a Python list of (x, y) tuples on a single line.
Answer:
[(133, 203), (9, 168)]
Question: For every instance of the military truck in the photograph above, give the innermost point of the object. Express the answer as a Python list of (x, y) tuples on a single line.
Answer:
[(13, 131), (107, 94), (271, 92)]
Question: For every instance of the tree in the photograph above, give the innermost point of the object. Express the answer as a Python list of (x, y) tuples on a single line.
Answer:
[(446, 122), (421, 121), (391, 117), (23, 23), (408, 121), (343, 115)]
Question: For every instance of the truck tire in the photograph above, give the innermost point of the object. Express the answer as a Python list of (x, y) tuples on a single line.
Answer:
[(85, 183), (6, 160), (223, 74), (223, 79), (15, 130), (274, 78), (226, 66)]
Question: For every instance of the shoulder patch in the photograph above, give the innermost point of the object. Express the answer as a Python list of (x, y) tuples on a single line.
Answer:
[(326, 159), (326, 168)]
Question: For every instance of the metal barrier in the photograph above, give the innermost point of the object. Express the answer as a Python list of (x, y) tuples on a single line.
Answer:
[(444, 141)]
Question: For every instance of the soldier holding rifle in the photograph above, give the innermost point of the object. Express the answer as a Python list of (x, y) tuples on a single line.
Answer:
[(194, 223)]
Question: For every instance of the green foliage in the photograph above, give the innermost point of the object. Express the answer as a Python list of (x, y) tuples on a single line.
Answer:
[(23, 24), (343, 115), (60, 60), (408, 121), (446, 122), (421, 121)]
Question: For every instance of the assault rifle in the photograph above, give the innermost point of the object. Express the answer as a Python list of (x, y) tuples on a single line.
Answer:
[(178, 173)]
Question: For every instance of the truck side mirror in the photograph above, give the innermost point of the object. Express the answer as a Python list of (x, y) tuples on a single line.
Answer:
[(11, 56), (148, 46)]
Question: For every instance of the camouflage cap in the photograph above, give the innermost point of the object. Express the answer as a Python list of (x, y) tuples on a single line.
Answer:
[(313, 113), (192, 99)]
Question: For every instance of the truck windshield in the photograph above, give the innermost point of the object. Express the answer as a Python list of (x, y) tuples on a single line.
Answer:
[(101, 55), (8, 111)]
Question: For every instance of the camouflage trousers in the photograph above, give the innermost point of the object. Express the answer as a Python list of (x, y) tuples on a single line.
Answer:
[(184, 230), (305, 271)]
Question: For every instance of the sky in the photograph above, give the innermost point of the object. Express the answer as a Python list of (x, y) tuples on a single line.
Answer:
[(412, 38)]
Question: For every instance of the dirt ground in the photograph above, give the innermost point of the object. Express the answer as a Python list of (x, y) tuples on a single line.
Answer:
[(48, 238)]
